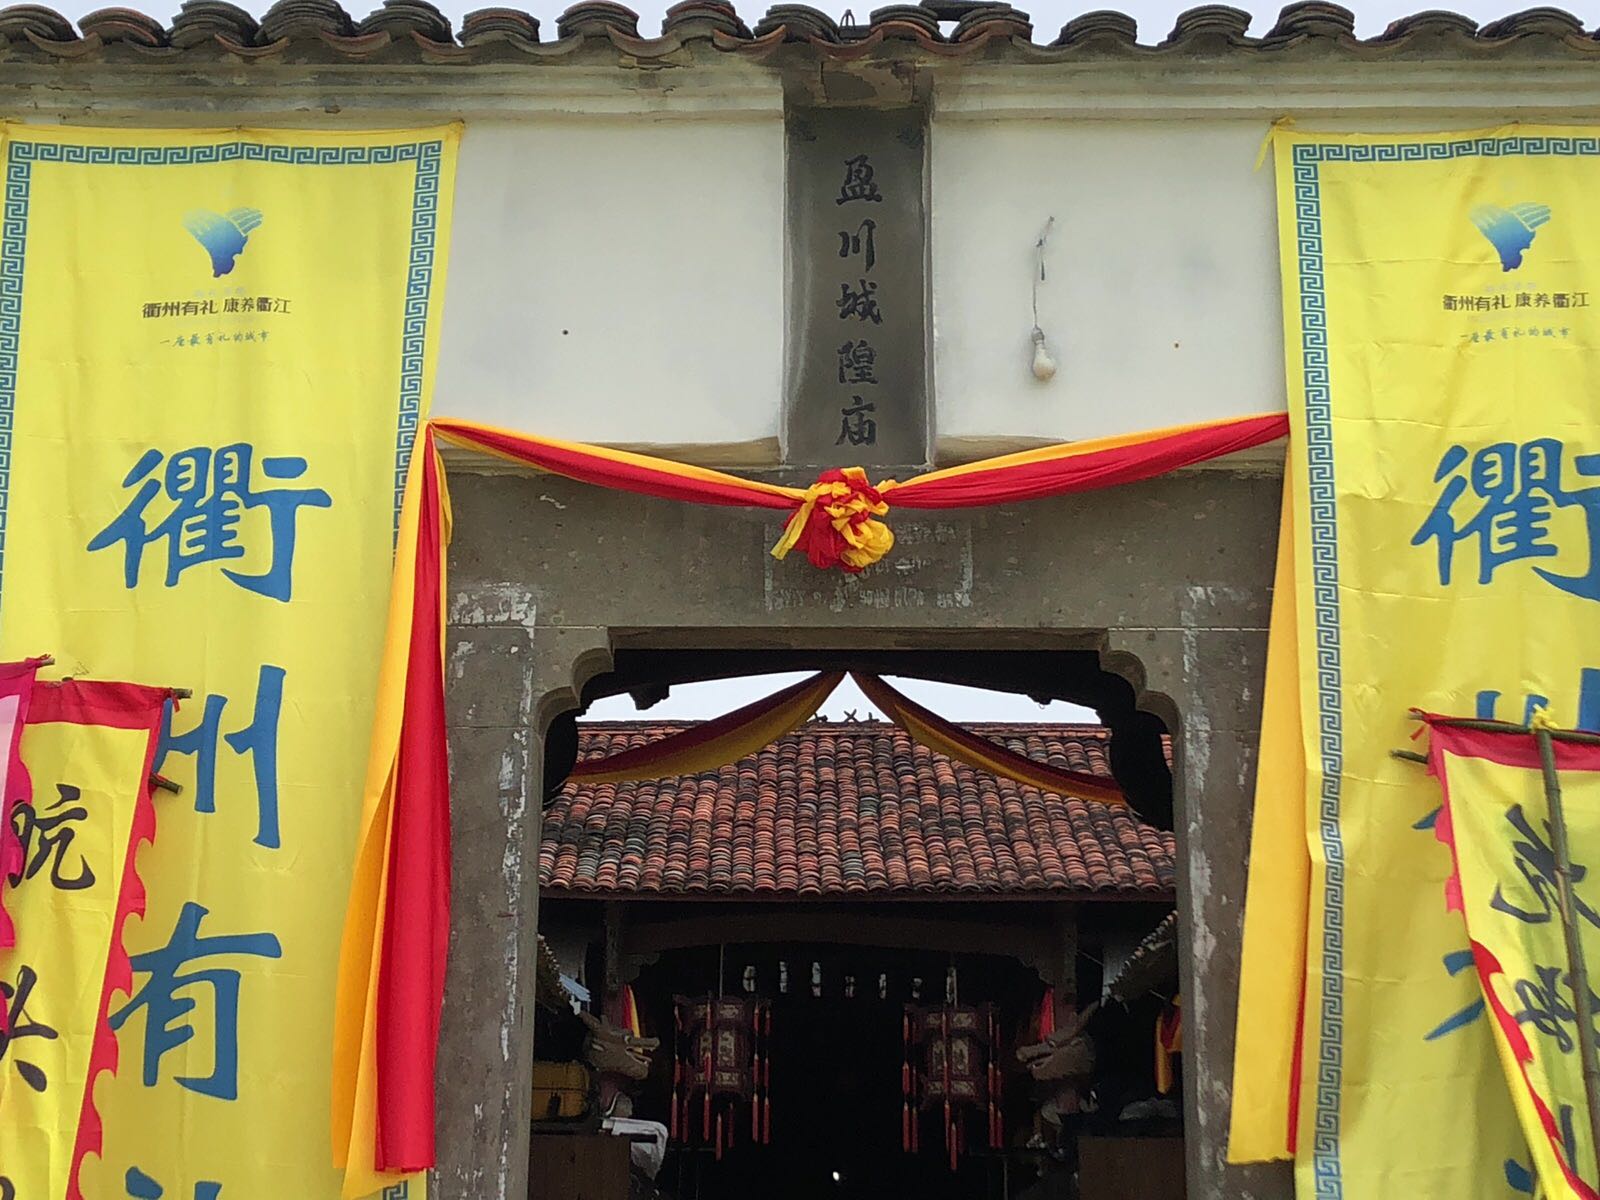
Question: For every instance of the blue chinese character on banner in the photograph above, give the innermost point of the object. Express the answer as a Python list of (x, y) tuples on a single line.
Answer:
[(1519, 489), (1521, 1179), (141, 1187), (258, 739), (1536, 862), (210, 491), (165, 1024), (1518, 1177), (1455, 962)]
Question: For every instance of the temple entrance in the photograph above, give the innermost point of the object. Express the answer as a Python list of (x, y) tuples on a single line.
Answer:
[(850, 965), (839, 1115)]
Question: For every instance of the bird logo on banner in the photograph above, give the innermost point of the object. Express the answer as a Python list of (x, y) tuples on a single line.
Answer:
[(1510, 230), (224, 237)]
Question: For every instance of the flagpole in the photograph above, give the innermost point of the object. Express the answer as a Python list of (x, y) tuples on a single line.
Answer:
[(1576, 963)]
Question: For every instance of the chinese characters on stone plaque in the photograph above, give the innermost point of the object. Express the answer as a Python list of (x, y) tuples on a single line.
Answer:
[(857, 369)]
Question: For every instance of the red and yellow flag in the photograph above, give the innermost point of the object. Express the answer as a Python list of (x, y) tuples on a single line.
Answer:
[(16, 686), (89, 749), (1497, 822)]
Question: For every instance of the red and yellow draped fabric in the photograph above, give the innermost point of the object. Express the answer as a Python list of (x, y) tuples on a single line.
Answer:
[(391, 977), (834, 521), (16, 686), (1047, 1014), (1272, 967), (954, 742), (713, 744), (391, 962), (1169, 1043), (1496, 822), (625, 1011), (89, 748)]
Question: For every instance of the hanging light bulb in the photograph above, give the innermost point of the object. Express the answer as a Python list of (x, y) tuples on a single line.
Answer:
[(1044, 367)]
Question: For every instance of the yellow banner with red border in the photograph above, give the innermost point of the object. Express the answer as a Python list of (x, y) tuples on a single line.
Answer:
[(87, 748), (1499, 828)]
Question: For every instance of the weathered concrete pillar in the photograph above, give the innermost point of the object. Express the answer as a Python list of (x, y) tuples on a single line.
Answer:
[(504, 683), (1204, 679)]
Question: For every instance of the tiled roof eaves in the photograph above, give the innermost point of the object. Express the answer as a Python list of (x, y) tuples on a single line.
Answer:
[(1128, 895), (413, 31), (843, 811)]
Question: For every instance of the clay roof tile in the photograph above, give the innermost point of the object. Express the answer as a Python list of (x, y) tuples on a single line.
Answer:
[(849, 810)]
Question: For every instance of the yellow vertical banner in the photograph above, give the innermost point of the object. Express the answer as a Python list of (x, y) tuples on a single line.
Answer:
[(215, 351), (1442, 319)]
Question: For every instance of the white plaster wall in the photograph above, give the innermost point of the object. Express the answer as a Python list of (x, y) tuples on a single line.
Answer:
[(620, 280), (1161, 304)]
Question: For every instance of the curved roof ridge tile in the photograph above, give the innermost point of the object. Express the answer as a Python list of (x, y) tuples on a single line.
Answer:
[(990, 31)]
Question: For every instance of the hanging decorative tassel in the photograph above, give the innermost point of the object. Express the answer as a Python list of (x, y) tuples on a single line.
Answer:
[(705, 1107), (755, 1072), (993, 1073), (905, 1083), (999, 1091), (677, 1074), (944, 1057), (766, 1075), (719, 1137)]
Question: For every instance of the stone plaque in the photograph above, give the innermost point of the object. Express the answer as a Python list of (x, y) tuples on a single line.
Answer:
[(857, 357)]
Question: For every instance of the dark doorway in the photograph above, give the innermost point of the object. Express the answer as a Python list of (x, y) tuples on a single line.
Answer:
[(838, 1109)]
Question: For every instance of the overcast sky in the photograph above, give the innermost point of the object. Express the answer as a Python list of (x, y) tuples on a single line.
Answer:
[(1155, 20), (695, 701)]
